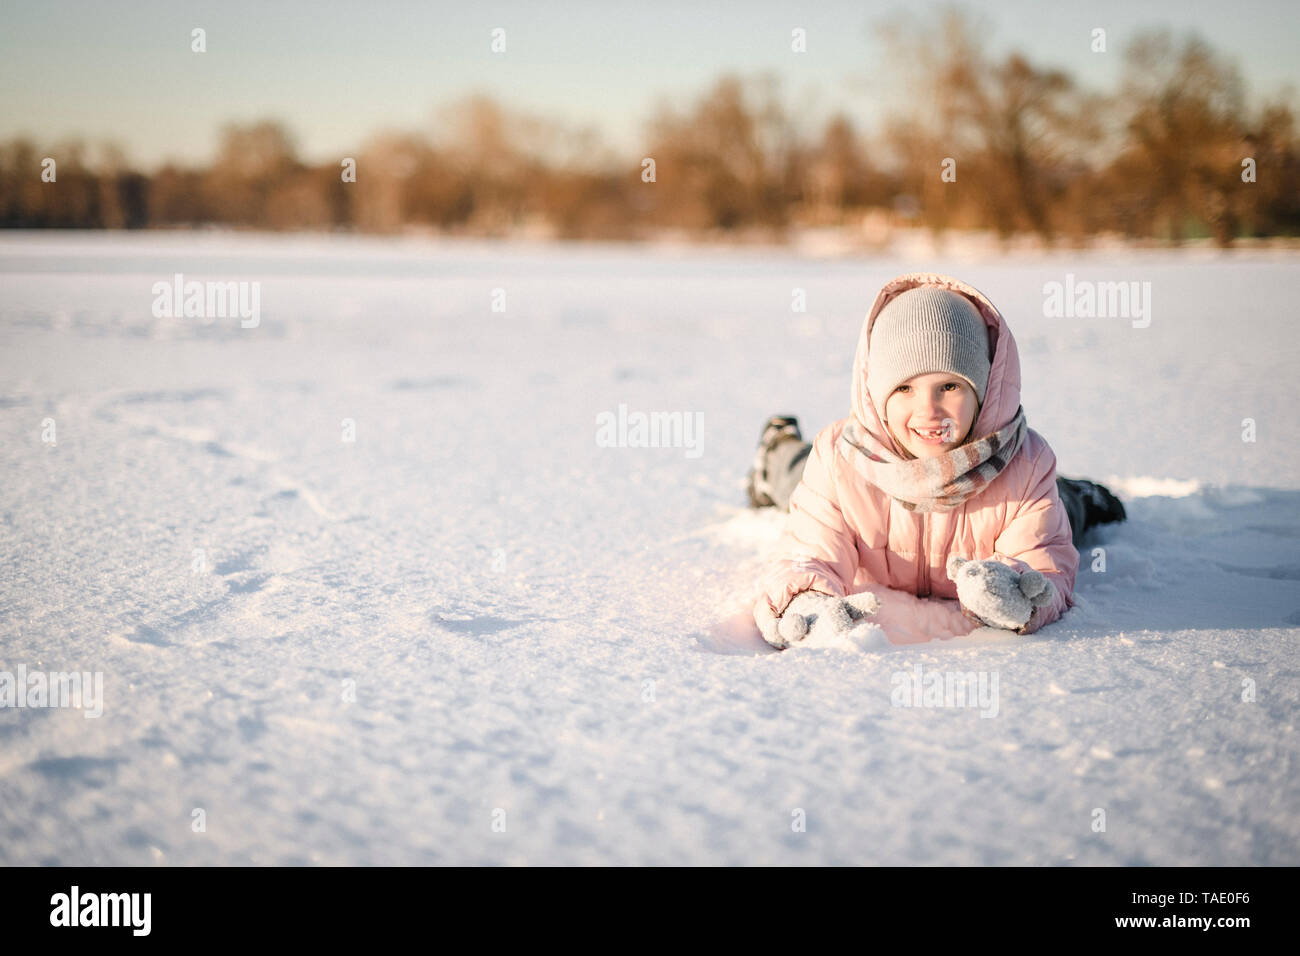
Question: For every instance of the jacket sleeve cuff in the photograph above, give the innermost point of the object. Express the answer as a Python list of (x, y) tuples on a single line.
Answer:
[(778, 598), (1033, 623)]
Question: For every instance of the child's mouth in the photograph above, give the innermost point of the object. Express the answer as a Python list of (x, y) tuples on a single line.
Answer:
[(932, 436)]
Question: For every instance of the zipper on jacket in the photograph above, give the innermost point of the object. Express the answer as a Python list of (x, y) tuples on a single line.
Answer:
[(922, 566)]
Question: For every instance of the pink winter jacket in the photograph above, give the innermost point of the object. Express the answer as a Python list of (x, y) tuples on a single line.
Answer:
[(844, 535)]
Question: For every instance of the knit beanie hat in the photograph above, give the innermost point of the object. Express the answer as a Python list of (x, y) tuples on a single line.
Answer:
[(926, 329)]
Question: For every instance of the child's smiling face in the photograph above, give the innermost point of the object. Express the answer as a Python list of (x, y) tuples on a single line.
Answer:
[(933, 401)]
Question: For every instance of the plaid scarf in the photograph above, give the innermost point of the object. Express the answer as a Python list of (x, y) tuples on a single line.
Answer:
[(941, 483)]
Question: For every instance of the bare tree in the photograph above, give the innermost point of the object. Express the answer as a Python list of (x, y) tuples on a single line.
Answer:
[(1010, 127), (1185, 133)]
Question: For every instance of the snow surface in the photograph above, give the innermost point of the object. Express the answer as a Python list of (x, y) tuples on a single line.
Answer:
[(554, 635)]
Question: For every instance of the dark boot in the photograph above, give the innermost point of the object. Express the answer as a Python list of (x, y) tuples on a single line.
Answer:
[(1103, 507), (778, 429), (1089, 504)]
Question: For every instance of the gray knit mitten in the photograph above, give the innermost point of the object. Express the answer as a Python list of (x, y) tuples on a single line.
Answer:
[(814, 614), (997, 594)]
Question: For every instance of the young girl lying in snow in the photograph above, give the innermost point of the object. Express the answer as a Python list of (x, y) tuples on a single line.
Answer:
[(934, 487)]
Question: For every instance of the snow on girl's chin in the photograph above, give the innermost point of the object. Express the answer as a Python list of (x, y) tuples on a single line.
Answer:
[(914, 446)]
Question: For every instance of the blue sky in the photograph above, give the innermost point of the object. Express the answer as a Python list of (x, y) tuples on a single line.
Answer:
[(335, 72)]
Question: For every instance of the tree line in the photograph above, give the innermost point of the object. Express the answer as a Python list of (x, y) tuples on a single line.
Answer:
[(973, 142)]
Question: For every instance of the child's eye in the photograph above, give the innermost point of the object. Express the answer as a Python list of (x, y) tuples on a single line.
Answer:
[(946, 385)]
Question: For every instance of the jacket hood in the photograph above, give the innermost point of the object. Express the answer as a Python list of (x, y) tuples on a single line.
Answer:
[(1001, 397)]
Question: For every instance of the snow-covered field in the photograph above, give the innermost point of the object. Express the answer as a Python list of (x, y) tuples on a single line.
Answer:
[(472, 634)]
